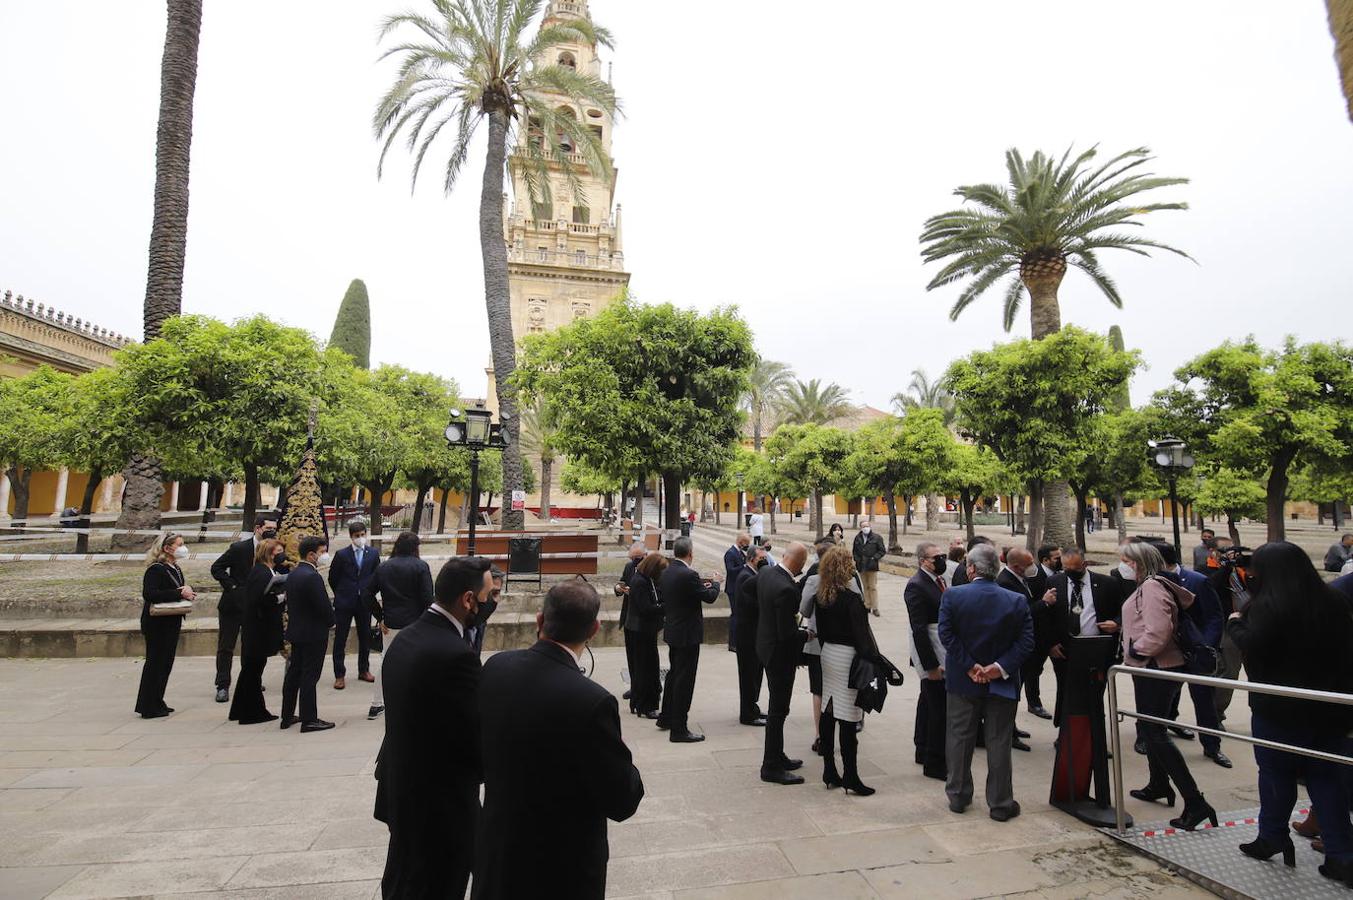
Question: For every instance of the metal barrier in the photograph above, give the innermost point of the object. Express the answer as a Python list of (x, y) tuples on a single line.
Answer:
[(1276, 690)]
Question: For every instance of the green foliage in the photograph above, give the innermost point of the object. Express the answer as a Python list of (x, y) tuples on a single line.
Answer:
[(922, 393), (642, 389), (1226, 492), (577, 478), (767, 384), (352, 326), (1033, 403), (972, 470), (101, 432), (33, 412), (1054, 212), (907, 456), (1322, 483), (1122, 400), (812, 403), (808, 459)]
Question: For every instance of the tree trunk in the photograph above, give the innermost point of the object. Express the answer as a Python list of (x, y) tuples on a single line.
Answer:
[(1341, 26), (1082, 500), (546, 470), (639, 503), (768, 504), (966, 503), (890, 500), (497, 301), (19, 490), (1233, 529), (441, 516), (1042, 278), (671, 495), (1277, 495), (1120, 517), (1019, 514), (817, 502), (251, 503), (86, 507), (1034, 534), (418, 508), (906, 512), (932, 512), (141, 495), (376, 491), (1057, 527)]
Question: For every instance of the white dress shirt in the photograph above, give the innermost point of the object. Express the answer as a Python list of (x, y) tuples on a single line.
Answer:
[(1089, 618)]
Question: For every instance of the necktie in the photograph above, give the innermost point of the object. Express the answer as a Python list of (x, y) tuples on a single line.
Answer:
[(940, 581), (1077, 606)]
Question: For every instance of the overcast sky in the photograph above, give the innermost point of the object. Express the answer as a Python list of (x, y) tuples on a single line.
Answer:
[(784, 161)]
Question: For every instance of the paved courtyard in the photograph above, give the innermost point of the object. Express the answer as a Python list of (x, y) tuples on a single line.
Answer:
[(97, 803)]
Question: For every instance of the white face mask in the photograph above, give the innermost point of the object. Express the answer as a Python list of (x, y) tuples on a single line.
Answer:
[(181, 552), (323, 560), (363, 542), (1031, 571), (1126, 570), (866, 529)]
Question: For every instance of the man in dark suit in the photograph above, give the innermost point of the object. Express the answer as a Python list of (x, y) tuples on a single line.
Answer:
[(430, 763), (1012, 578), (779, 644), (683, 594), (353, 569), (403, 584), (636, 555), (556, 803), (231, 570), (1049, 564), (310, 615), (476, 627), (987, 634), (923, 594), (1078, 603), (750, 671), (961, 575), (734, 561)]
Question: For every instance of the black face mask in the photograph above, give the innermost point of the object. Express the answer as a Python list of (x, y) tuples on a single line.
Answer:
[(1055, 565), (762, 563), (1075, 574), (482, 612), (268, 535), (940, 563), (279, 560)]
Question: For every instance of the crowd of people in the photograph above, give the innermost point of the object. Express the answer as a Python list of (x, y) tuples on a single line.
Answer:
[(983, 623)]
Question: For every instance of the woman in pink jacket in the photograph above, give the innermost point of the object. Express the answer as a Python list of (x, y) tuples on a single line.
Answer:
[(1150, 616)]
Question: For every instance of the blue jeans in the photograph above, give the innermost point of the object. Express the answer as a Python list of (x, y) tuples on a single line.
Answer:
[(1325, 782)]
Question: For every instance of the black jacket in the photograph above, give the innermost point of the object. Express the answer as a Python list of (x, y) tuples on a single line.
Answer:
[(625, 577), (1053, 625), (230, 570), (404, 584), (555, 769), (923, 610), (645, 606), (158, 584), (310, 615), (430, 763), (777, 596), (261, 619), (683, 595), (347, 583), (846, 621), (868, 551)]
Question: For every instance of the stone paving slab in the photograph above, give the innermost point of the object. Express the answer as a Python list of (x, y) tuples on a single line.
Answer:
[(97, 803)]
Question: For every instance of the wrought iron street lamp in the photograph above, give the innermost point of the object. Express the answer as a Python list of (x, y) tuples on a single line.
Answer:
[(1169, 454), (742, 502), (475, 430)]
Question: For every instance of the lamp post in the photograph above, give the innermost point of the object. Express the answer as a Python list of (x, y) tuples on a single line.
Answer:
[(475, 430), (742, 502), (1170, 456)]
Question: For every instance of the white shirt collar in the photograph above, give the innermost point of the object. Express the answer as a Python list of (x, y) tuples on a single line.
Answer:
[(933, 577), (577, 657), (441, 611)]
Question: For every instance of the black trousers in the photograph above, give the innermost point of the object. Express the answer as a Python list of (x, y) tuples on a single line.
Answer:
[(162, 641), (931, 719), (303, 671), (780, 671), (641, 649), (1031, 672), (247, 706), (229, 618), (750, 671), (1166, 763), (682, 663), (343, 620), (1205, 711)]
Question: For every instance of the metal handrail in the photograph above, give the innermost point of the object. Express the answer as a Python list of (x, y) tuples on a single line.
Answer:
[(1276, 690)]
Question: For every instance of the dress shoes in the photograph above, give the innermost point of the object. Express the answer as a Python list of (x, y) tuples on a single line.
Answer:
[(266, 717), (1307, 828), (685, 737), (1140, 746), (1021, 733), (662, 726), (1180, 732), (790, 765), (1219, 758), (779, 776), (288, 721), (1020, 745), (366, 676), (648, 714), (1006, 813), (340, 682), (374, 713), (316, 725), (167, 709), (920, 758), (158, 714), (222, 695), (956, 807), (937, 774), (625, 696), (759, 721), (1038, 710)]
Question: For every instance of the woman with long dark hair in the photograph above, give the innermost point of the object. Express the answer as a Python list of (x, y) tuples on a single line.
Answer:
[(1296, 631), (642, 625), (260, 635)]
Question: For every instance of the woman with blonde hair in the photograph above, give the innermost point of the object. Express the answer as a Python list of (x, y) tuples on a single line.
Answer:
[(843, 629), (260, 634), (163, 582)]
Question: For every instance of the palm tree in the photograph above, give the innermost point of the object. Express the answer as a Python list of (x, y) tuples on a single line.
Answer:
[(537, 435), (168, 234), (766, 387), (471, 61), (922, 393), (812, 403), (1341, 25), (1054, 214)]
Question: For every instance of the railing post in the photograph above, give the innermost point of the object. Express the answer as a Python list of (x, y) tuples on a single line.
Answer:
[(1117, 742)]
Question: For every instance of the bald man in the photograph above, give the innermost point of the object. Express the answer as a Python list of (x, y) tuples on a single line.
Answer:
[(779, 644)]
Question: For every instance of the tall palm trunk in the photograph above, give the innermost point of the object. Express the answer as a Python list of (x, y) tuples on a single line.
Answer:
[(168, 236), (546, 472), (1341, 26), (1043, 277), (496, 299)]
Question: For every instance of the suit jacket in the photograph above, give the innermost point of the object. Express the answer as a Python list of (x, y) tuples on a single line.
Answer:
[(923, 610), (261, 622), (983, 623), (625, 576), (430, 762), (347, 581), (231, 570), (310, 615), (1205, 611), (404, 584), (868, 551), (1344, 585), (734, 560), (960, 574), (645, 613), (1053, 623), (683, 594), (777, 598), (555, 769)]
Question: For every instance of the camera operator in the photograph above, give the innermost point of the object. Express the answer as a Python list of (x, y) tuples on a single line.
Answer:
[(1231, 581)]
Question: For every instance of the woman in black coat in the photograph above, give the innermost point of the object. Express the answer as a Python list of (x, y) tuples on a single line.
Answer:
[(643, 621), (843, 628), (1296, 631), (260, 635), (163, 582)]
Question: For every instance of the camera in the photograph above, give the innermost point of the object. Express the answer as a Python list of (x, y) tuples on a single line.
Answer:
[(1238, 556)]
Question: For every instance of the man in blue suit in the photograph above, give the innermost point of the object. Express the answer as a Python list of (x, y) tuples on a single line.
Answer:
[(352, 570), (988, 634)]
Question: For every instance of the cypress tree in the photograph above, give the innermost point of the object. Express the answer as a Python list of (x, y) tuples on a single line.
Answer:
[(1122, 398), (352, 326)]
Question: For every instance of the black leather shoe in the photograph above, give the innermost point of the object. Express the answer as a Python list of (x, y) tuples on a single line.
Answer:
[(317, 725), (1140, 746), (288, 721), (791, 765), (374, 713), (779, 776), (1262, 849), (157, 714), (1220, 759), (1195, 814), (222, 695), (662, 726), (650, 714), (920, 758), (759, 721), (625, 696), (1180, 732), (937, 774), (1021, 733), (1020, 745), (1007, 813), (1150, 794), (1038, 710), (685, 737)]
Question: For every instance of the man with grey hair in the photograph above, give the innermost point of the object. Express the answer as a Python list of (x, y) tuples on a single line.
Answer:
[(988, 634), (683, 594), (923, 594), (779, 644)]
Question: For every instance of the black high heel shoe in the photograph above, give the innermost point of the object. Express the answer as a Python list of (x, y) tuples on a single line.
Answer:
[(831, 778), (1262, 849), (1337, 870), (858, 787), (1195, 814), (1151, 794)]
